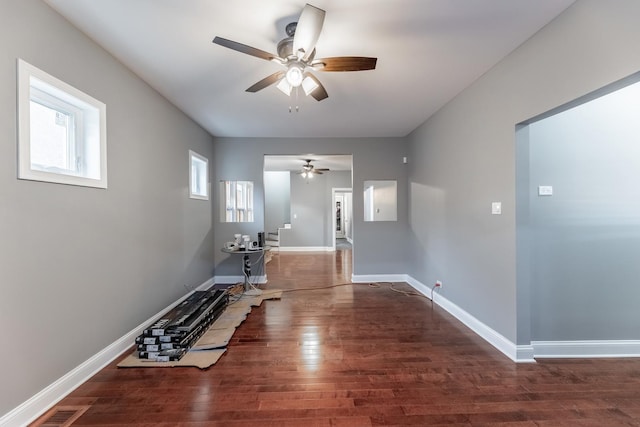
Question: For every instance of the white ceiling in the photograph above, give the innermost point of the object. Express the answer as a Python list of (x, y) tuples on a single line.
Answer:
[(427, 50)]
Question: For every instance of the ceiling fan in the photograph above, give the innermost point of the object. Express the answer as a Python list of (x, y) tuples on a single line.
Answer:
[(308, 170), (296, 53)]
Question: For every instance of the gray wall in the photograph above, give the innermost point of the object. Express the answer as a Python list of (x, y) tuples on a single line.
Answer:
[(585, 238), (81, 267), (277, 199), (378, 247), (308, 213), (463, 158), (311, 220)]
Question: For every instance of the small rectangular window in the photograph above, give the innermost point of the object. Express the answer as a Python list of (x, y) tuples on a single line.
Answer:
[(198, 176), (61, 131), (237, 205)]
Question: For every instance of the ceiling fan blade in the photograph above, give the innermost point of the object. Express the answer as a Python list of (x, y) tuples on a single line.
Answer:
[(307, 31), (345, 63), (243, 48), (320, 92), (267, 81)]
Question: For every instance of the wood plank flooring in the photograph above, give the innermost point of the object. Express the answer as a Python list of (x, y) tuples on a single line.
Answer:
[(359, 355)]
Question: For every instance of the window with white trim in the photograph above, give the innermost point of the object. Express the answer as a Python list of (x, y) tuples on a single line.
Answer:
[(61, 131), (198, 176), (236, 201)]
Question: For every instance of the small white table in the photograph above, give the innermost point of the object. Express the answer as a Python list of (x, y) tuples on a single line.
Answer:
[(246, 266)]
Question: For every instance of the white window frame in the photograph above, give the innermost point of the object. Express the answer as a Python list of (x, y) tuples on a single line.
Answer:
[(236, 204), (198, 179), (89, 131)]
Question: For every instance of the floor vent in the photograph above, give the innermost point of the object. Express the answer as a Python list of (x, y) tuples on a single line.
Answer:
[(61, 416)]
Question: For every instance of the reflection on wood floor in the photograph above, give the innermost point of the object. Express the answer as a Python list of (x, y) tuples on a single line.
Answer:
[(360, 355)]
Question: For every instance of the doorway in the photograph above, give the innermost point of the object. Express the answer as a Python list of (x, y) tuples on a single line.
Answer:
[(342, 218), (578, 221), (305, 202)]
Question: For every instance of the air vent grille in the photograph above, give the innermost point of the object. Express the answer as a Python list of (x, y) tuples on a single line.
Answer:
[(61, 416)]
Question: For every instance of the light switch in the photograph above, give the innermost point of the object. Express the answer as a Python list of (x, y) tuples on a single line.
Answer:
[(496, 208), (545, 190)]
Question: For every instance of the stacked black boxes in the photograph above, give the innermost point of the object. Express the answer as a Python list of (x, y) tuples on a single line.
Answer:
[(170, 337)]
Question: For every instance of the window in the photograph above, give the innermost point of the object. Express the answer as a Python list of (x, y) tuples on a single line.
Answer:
[(198, 176), (61, 131), (236, 201)]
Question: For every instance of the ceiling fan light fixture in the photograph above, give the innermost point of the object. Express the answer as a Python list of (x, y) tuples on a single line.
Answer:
[(297, 54), (295, 75), (285, 87), (309, 85)]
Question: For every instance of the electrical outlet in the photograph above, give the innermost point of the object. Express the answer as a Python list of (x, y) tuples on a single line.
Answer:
[(438, 284)]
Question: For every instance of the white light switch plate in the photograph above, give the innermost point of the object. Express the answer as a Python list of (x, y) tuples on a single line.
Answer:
[(496, 208), (545, 190)]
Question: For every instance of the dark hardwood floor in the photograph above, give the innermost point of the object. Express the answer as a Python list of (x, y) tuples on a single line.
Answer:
[(359, 355)]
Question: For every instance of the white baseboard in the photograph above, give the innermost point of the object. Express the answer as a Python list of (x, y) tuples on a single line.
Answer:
[(494, 338), (491, 336), (524, 354), (537, 349), (420, 287), (306, 249), (373, 278), (239, 279), (584, 349), (38, 404)]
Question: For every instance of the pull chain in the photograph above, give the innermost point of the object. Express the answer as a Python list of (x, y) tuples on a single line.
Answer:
[(296, 102)]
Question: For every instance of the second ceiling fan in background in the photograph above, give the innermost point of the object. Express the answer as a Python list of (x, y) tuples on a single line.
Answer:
[(296, 53), (308, 170)]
